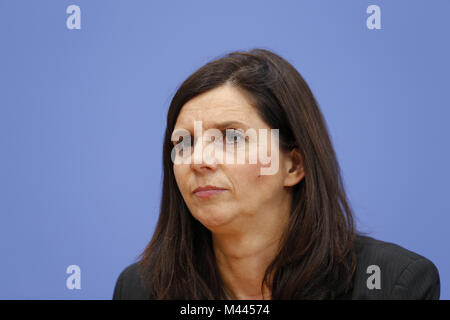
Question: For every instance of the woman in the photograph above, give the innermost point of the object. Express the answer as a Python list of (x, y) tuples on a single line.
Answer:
[(228, 231)]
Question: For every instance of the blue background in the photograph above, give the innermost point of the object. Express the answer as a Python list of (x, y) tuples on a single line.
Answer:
[(82, 117)]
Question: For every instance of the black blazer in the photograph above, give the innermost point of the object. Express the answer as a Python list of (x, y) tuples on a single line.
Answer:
[(384, 271)]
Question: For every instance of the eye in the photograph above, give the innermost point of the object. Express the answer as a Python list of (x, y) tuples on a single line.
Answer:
[(184, 140), (182, 145), (234, 136)]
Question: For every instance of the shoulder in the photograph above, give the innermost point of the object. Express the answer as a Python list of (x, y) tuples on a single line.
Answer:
[(129, 286), (388, 271)]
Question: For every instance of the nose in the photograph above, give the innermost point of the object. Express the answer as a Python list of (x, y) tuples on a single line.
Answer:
[(203, 161), (203, 167)]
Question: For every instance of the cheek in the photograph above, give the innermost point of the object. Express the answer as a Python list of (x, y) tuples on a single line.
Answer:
[(251, 183), (180, 172), (247, 178)]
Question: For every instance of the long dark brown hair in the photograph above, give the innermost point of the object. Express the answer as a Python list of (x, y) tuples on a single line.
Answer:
[(316, 256)]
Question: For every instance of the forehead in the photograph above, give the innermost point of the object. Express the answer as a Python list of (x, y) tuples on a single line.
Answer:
[(219, 105)]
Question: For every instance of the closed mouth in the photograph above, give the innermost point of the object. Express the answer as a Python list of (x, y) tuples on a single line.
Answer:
[(208, 191)]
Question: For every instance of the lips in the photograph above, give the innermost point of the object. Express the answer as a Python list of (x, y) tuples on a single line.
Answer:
[(207, 191)]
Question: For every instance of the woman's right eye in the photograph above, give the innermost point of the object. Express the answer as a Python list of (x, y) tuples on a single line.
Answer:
[(185, 140)]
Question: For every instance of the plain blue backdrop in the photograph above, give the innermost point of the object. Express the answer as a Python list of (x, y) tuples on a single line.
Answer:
[(82, 117)]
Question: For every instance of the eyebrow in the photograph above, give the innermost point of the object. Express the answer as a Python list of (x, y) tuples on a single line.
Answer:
[(225, 124), (229, 124)]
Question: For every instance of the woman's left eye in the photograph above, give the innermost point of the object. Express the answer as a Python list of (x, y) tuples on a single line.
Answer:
[(233, 136)]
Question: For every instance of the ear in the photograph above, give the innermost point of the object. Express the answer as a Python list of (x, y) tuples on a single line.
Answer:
[(294, 171)]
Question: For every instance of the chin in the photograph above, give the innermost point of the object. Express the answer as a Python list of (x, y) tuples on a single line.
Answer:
[(213, 220)]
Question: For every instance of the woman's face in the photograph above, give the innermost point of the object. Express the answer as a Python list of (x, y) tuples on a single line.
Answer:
[(248, 197)]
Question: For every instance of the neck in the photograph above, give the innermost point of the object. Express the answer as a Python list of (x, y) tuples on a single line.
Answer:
[(243, 257)]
